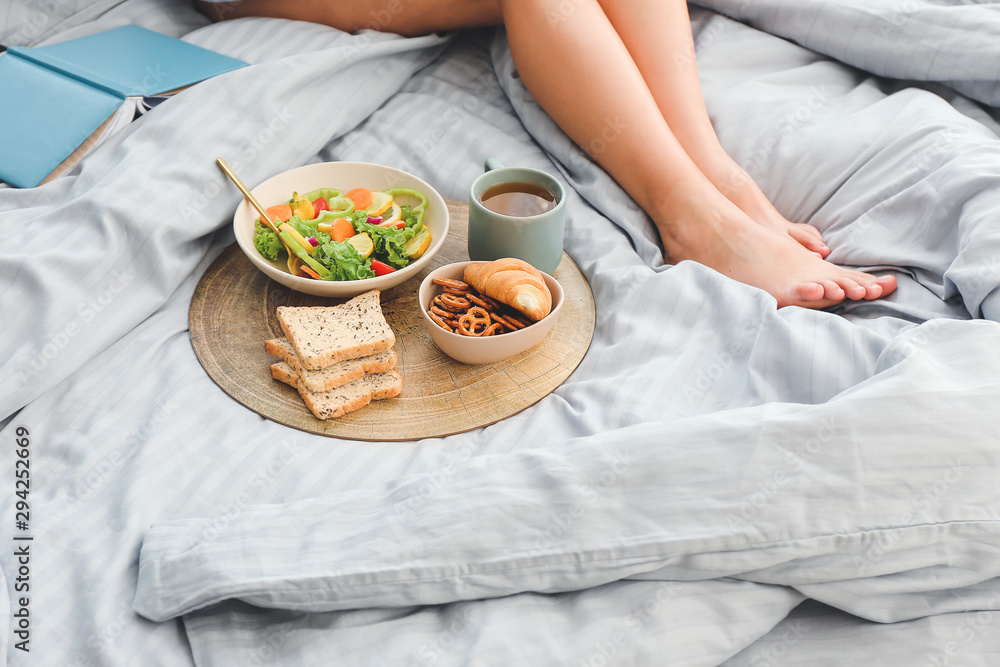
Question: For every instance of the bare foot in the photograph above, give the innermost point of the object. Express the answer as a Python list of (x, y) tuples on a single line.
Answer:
[(714, 232), (735, 183)]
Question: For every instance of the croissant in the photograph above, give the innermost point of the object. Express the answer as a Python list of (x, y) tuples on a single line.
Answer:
[(513, 282)]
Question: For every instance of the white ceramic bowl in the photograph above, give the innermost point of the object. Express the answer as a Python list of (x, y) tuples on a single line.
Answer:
[(483, 349), (342, 176)]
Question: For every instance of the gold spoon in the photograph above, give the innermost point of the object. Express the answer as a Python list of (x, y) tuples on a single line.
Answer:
[(256, 204)]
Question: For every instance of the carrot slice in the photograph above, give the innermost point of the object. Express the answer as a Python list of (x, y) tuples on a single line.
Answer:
[(309, 271), (282, 212), (362, 198), (341, 229)]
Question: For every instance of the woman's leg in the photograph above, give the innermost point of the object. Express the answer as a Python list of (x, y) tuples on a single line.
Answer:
[(404, 17), (577, 67), (658, 36), (583, 75)]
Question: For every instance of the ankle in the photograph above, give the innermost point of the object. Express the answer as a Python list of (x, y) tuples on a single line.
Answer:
[(672, 205), (684, 213), (728, 177)]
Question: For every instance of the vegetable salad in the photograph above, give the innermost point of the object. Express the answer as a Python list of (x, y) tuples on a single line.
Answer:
[(335, 235)]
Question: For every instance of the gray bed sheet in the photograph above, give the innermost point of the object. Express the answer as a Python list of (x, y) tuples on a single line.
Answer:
[(719, 482)]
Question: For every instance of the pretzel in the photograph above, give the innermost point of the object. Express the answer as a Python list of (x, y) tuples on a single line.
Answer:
[(469, 324), (440, 322), (480, 315), (508, 321), (466, 328), (498, 319), (440, 303), (451, 301), (454, 284), (461, 309), (475, 300), (443, 314), (517, 318), (493, 302)]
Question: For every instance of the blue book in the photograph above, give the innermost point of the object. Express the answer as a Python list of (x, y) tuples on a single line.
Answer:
[(61, 100)]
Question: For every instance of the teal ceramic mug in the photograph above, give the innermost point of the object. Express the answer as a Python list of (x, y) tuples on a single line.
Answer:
[(537, 237)]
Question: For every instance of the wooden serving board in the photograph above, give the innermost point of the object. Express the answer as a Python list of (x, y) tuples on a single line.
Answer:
[(233, 312)]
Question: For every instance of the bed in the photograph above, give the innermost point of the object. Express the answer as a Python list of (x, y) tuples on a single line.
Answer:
[(718, 483)]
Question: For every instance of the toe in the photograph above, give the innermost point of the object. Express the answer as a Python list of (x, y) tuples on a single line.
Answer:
[(810, 292), (810, 238), (832, 290), (816, 234), (887, 283), (873, 290), (809, 229), (852, 289)]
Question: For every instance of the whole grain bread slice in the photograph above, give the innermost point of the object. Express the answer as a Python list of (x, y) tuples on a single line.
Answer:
[(323, 335), (346, 398), (282, 372), (334, 375)]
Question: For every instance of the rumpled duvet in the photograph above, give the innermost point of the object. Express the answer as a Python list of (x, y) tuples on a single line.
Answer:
[(718, 483)]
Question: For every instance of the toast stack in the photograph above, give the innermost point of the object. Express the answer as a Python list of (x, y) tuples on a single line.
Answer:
[(339, 358)]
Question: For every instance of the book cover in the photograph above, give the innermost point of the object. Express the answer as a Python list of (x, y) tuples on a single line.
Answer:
[(57, 96)]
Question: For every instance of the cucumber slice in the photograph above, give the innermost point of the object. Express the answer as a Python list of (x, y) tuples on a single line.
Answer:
[(299, 239), (300, 252), (418, 245), (363, 244), (380, 202)]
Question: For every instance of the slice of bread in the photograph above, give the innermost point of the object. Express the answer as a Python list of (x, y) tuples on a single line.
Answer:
[(323, 335), (282, 372), (347, 398), (334, 375)]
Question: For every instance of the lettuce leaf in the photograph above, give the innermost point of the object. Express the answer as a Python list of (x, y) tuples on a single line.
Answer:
[(267, 242), (305, 227), (343, 261), (389, 242), (411, 218)]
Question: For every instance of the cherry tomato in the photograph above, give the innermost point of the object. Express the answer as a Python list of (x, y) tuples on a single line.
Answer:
[(381, 268), (320, 204)]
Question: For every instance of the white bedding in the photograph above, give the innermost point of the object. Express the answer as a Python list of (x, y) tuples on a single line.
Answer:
[(711, 464)]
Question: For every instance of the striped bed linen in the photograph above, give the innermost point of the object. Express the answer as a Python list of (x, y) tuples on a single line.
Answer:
[(711, 464)]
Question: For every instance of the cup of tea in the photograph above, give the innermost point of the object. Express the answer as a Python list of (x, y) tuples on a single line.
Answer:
[(517, 212)]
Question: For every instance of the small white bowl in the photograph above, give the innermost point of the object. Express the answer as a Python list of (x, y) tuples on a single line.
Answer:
[(342, 176), (483, 349)]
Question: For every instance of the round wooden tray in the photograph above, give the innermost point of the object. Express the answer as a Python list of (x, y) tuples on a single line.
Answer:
[(233, 312)]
